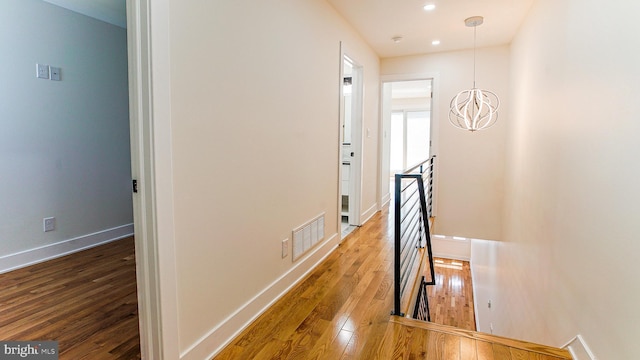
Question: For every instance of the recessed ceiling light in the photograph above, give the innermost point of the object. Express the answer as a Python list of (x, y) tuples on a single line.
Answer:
[(435, 42), (396, 39), (429, 7)]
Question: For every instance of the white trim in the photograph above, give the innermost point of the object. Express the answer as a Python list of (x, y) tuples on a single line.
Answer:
[(368, 214), (357, 141), (138, 29), (160, 174), (435, 126), (579, 349), (65, 247), (150, 122), (384, 202), (383, 194), (210, 344), (340, 136)]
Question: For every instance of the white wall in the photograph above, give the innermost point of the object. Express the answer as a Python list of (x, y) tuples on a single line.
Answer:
[(470, 166), (254, 143), (385, 143), (64, 145), (571, 214)]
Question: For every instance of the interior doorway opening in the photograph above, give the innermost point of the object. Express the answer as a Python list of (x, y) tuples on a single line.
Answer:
[(350, 145), (74, 191), (406, 127)]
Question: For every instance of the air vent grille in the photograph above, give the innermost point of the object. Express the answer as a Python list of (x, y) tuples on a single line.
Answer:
[(308, 235)]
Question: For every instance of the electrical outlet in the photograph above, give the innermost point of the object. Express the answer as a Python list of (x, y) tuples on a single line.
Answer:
[(49, 224), (55, 73), (491, 327), (489, 304), (285, 248)]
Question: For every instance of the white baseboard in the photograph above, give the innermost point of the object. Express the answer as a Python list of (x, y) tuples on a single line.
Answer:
[(369, 213), (579, 349), (43, 253), (450, 248), (385, 200), (217, 338)]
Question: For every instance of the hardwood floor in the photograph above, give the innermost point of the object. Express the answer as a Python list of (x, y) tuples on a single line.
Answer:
[(451, 298), (408, 338), (341, 311), (86, 301)]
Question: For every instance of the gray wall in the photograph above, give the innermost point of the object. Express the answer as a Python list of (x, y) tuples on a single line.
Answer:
[(64, 145)]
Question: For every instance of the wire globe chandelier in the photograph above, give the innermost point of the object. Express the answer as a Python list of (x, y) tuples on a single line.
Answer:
[(474, 109)]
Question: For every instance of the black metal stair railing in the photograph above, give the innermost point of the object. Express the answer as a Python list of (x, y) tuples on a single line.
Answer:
[(421, 310), (412, 209)]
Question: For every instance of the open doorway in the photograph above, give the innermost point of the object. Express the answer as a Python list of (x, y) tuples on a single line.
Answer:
[(350, 145), (406, 128), (66, 179)]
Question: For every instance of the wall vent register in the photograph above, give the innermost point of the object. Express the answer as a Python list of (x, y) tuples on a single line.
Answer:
[(308, 235)]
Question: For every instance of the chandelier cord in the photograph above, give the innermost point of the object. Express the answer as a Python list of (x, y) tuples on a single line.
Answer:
[(475, 28), (474, 109)]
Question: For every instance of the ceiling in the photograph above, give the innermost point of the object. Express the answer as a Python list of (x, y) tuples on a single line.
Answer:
[(111, 11), (378, 21)]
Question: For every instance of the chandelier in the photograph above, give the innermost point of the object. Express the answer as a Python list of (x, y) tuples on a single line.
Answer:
[(474, 109)]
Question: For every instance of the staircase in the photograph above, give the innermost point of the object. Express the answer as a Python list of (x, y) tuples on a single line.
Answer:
[(409, 334)]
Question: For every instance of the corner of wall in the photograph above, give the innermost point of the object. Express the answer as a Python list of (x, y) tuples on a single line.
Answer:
[(367, 214), (451, 248), (579, 349)]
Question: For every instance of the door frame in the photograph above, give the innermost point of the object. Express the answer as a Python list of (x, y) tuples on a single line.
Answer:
[(150, 127), (384, 196), (355, 181)]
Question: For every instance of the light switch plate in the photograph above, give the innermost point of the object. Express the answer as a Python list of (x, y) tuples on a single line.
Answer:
[(55, 73), (42, 71)]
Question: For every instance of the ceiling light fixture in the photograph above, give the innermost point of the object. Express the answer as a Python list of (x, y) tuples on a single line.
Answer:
[(474, 109), (429, 7), (396, 39), (435, 42)]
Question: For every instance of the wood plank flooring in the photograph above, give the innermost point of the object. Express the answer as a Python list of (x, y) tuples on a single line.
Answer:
[(341, 311), (86, 301), (484, 346), (451, 298)]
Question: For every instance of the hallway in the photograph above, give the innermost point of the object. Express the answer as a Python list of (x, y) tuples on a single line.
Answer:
[(341, 311)]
